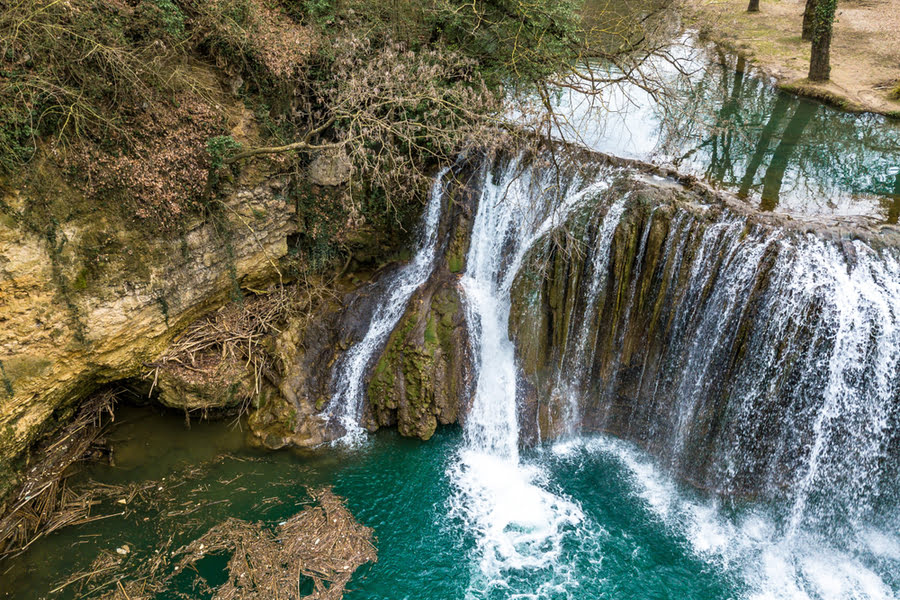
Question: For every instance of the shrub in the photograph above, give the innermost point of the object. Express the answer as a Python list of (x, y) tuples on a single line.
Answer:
[(219, 148)]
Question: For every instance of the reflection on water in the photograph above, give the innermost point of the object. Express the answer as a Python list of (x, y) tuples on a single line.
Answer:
[(727, 123)]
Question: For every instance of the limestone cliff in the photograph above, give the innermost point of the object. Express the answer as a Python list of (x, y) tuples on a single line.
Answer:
[(87, 298)]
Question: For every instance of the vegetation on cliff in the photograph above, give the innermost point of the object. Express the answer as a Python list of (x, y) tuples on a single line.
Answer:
[(137, 101)]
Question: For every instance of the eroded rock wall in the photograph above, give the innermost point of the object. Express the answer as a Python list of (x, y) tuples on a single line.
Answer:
[(92, 298), (718, 340), (424, 375)]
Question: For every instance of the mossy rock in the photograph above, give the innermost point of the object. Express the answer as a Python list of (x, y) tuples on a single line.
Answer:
[(419, 379)]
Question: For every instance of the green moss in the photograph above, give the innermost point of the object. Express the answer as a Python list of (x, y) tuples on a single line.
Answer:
[(81, 280), (24, 366), (292, 418), (430, 332), (455, 263), (404, 379), (459, 247)]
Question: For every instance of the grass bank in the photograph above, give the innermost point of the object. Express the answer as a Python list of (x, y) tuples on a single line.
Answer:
[(865, 59)]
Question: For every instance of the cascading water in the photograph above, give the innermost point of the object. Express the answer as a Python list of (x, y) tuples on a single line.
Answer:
[(749, 358), (350, 374), (753, 360), (751, 370), (519, 524), (582, 352)]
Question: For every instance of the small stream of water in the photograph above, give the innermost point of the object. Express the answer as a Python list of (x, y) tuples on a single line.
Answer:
[(350, 373)]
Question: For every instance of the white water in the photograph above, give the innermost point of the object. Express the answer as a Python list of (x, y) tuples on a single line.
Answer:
[(519, 523), (773, 566), (567, 380), (350, 374)]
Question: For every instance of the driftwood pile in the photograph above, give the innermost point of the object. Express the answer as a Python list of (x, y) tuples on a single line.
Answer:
[(226, 346), (321, 546), (44, 503), (323, 543)]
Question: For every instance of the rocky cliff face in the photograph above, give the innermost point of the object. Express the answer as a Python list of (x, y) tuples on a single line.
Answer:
[(89, 298), (656, 311), (419, 379)]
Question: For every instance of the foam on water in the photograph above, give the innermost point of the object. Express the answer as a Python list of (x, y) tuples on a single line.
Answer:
[(518, 523), (772, 563), (832, 322)]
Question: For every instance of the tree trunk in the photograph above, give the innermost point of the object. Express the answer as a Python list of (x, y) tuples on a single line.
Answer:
[(820, 55), (754, 6), (729, 120), (808, 20)]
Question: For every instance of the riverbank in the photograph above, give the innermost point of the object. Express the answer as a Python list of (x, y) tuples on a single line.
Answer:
[(865, 61)]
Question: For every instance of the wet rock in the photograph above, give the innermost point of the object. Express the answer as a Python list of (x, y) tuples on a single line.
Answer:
[(425, 372), (297, 412)]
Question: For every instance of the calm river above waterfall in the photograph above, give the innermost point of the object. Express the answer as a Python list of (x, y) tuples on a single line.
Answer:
[(727, 123)]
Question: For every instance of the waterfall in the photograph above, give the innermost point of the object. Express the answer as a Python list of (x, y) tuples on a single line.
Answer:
[(520, 524), (350, 374), (599, 266), (582, 354), (753, 360), (749, 358)]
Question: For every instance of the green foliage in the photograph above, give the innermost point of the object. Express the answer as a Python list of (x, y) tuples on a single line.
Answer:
[(823, 18), (322, 11), (171, 17), (513, 41), (220, 148), (17, 137)]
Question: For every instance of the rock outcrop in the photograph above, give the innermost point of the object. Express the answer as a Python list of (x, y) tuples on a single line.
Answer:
[(424, 375), (89, 298)]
